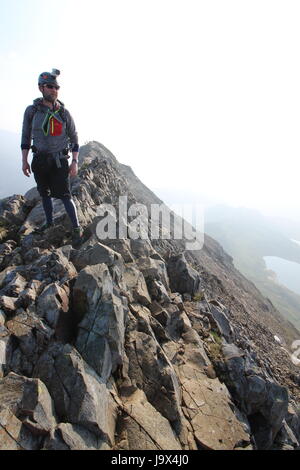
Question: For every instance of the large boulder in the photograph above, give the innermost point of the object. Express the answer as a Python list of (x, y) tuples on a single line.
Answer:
[(101, 311), (13, 210), (153, 269), (136, 285), (80, 396), (69, 436), (14, 435), (259, 397), (29, 400), (144, 427), (28, 337), (53, 306), (149, 367), (6, 349), (183, 278)]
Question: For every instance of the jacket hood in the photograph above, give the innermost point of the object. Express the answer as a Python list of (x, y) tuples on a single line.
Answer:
[(39, 102)]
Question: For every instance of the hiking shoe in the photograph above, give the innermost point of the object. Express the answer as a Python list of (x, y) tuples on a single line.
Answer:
[(77, 237), (43, 228)]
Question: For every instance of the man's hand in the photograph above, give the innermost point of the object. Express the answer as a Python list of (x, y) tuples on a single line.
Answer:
[(73, 170), (26, 169)]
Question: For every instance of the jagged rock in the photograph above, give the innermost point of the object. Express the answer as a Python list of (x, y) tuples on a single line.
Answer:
[(220, 322), (177, 320), (34, 254), (8, 304), (28, 296), (158, 291), (293, 419), (54, 237), (96, 254), (183, 278), (14, 258), (194, 351), (285, 437), (102, 312), (121, 246), (136, 285), (50, 267), (73, 437), (264, 402), (13, 210), (80, 396), (53, 306), (131, 435), (13, 433), (6, 349), (2, 318), (207, 405), (162, 317), (14, 286), (141, 248), (32, 195), (150, 428), (177, 299), (29, 400), (7, 247), (30, 337), (153, 269), (9, 253), (36, 217), (231, 351), (149, 368)]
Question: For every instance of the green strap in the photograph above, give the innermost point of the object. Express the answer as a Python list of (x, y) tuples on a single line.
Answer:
[(46, 122)]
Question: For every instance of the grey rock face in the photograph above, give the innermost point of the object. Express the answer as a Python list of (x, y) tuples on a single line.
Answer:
[(29, 337), (136, 285), (73, 437), (80, 396), (183, 278), (102, 311), (153, 269), (6, 349), (14, 434), (13, 210), (263, 401), (29, 401), (219, 320), (97, 254), (150, 368)]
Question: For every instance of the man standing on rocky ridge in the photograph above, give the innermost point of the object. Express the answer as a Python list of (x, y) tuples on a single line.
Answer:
[(51, 128)]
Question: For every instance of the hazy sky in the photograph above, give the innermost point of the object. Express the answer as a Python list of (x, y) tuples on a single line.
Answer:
[(199, 96)]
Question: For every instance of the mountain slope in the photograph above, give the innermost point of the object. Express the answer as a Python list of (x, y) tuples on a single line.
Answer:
[(134, 343)]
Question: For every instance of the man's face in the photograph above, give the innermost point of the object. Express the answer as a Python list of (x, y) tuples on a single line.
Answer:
[(50, 92)]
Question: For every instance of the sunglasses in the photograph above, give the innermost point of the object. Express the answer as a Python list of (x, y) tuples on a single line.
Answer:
[(52, 86)]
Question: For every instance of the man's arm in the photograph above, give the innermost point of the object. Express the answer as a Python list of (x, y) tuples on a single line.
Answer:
[(25, 165), (26, 139), (73, 136)]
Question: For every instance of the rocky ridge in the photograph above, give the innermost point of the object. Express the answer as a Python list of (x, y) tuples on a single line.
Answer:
[(134, 344)]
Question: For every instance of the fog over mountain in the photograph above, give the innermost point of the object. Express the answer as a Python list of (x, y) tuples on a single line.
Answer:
[(248, 236), (12, 180)]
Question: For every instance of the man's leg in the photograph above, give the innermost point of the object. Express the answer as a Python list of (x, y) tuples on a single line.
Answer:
[(48, 208), (42, 181), (71, 210), (60, 188)]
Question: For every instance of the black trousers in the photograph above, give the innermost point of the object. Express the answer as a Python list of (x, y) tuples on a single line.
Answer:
[(51, 180)]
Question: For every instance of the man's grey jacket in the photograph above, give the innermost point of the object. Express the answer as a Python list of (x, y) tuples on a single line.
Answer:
[(49, 131)]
